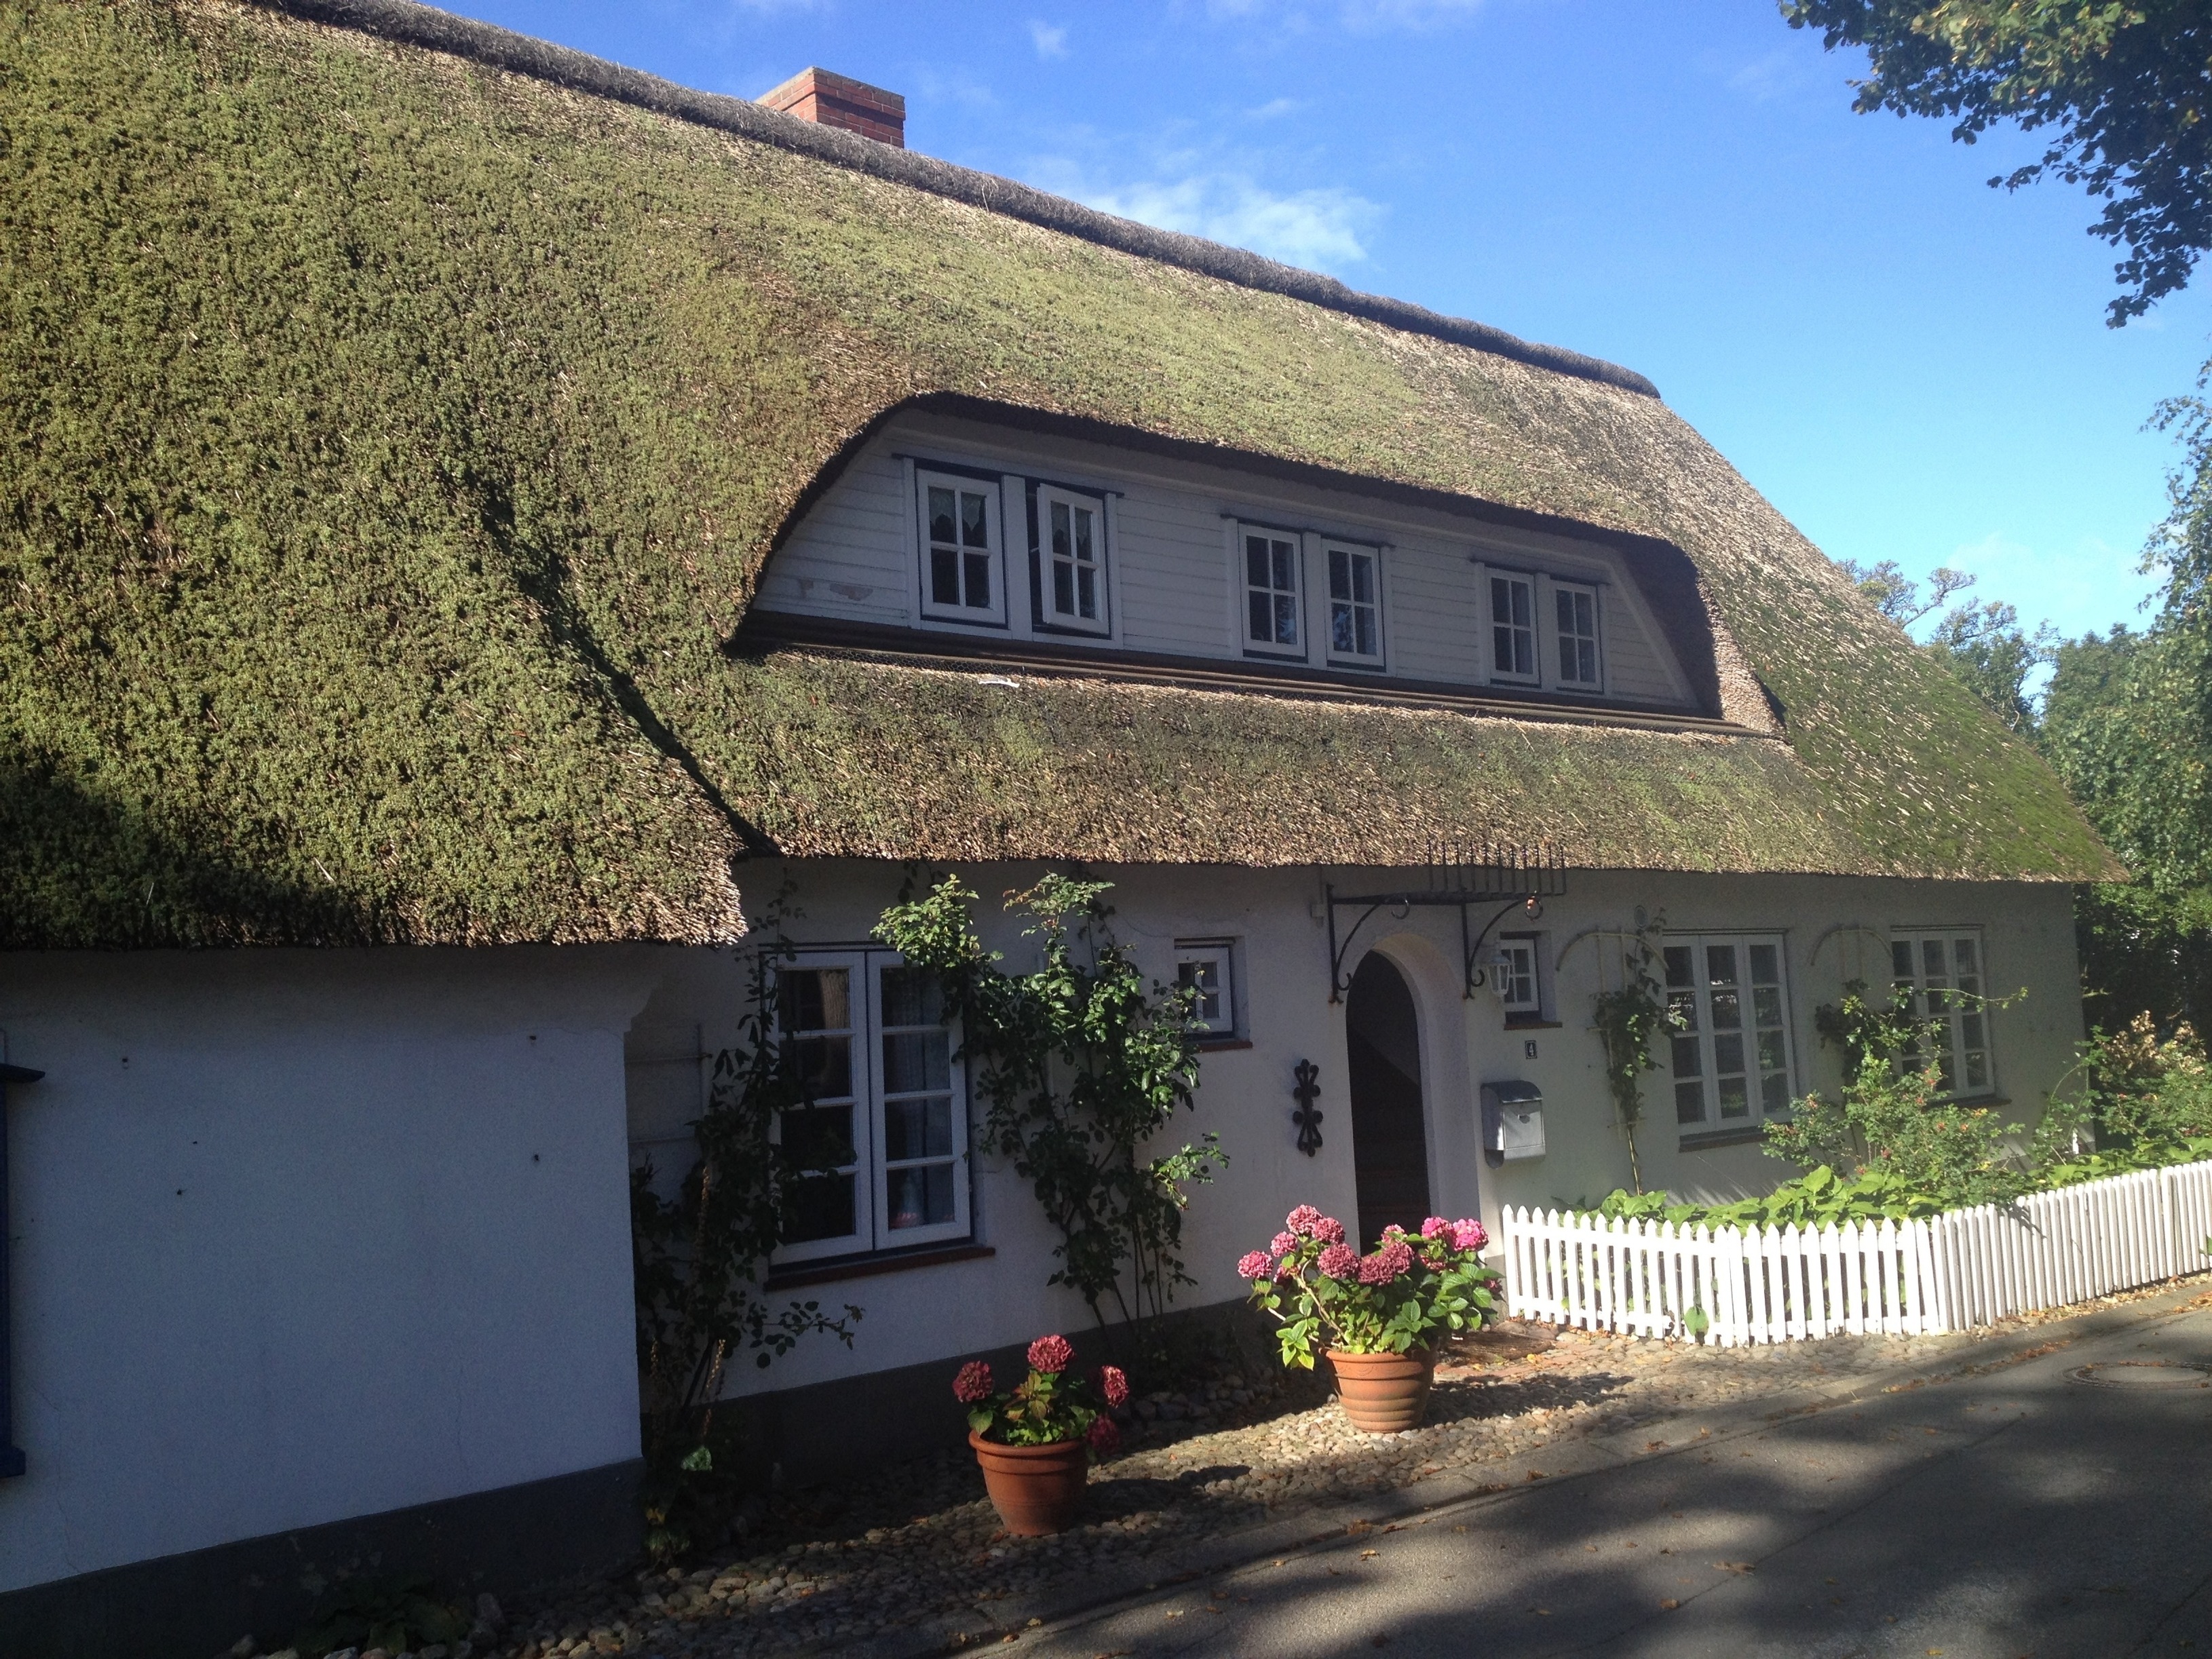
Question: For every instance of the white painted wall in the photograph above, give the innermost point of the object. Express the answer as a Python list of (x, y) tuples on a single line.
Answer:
[(855, 558), (304, 1235), (925, 1313)]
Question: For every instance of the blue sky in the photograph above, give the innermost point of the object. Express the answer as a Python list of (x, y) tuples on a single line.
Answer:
[(1911, 365)]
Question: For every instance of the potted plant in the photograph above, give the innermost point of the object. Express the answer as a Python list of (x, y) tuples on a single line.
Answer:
[(1034, 1441), (1375, 1317)]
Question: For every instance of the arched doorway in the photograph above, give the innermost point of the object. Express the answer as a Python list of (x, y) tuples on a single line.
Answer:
[(1389, 1131)]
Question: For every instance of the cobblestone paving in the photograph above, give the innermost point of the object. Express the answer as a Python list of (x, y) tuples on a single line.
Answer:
[(921, 1541)]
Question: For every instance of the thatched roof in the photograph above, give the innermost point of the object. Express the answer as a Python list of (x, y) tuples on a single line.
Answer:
[(392, 442)]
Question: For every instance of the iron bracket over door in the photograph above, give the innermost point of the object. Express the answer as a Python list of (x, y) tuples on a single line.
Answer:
[(1510, 877)]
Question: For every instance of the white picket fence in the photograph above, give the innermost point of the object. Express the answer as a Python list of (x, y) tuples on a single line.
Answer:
[(1950, 1273)]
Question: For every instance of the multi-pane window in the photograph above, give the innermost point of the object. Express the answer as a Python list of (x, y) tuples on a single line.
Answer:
[(1938, 977), (1207, 970), (1073, 531), (1576, 630), (1270, 592), (1518, 987), (962, 579), (1513, 627), (1730, 1041), (1355, 605), (883, 1132)]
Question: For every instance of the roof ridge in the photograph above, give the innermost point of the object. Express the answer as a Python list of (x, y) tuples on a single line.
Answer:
[(412, 24)]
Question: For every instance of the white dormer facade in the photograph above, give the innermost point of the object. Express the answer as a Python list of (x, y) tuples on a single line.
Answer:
[(1013, 539)]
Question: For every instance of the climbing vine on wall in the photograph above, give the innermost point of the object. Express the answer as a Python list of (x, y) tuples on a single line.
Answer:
[(1081, 1065)]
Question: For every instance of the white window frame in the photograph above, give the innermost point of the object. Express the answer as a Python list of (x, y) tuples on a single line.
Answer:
[(1501, 669), (1568, 591), (1294, 542), (1049, 614), (872, 1232), (1519, 965), (1351, 553), (1224, 1021), (994, 615), (1768, 1090), (1925, 988)]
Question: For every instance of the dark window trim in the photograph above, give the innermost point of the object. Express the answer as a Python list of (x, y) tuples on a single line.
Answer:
[(1215, 1045), (763, 631), (1714, 1139), (871, 1266)]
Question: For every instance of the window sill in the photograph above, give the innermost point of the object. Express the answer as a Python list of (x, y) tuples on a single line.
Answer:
[(870, 1267), (1215, 1045), (1532, 1022), (1973, 1101), (1711, 1140)]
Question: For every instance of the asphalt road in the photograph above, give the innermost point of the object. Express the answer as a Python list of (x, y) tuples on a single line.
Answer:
[(2025, 1512)]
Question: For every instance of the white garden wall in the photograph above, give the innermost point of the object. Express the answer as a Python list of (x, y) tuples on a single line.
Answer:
[(300, 1236)]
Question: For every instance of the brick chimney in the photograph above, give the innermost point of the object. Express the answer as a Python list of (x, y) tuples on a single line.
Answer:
[(834, 101)]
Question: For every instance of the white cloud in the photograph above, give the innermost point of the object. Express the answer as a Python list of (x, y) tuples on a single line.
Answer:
[(1274, 109), (1319, 229), (1050, 42)]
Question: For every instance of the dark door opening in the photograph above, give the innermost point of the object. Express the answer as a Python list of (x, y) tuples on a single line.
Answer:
[(1390, 1132)]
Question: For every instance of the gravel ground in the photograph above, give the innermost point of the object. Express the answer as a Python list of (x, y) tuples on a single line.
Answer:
[(1230, 1450)]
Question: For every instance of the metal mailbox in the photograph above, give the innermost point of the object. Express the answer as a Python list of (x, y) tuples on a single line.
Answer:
[(1512, 1121)]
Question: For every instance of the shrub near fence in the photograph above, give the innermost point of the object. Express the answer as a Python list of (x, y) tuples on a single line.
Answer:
[(1949, 1272)]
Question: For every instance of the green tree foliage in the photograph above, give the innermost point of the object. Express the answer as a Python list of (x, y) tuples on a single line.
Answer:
[(1983, 645), (1080, 1067), (2118, 86)]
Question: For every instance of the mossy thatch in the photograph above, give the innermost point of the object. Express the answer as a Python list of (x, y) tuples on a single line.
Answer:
[(391, 443)]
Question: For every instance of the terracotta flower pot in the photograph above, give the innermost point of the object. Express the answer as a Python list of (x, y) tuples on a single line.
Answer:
[(1035, 1489), (1383, 1392)]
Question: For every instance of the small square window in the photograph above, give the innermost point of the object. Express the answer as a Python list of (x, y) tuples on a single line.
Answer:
[(1071, 559), (1355, 605), (1207, 970), (1273, 592), (962, 569), (1575, 631), (1520, 982), (1513, 627)]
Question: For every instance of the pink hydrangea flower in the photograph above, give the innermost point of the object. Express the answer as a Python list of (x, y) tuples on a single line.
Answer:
[(1114, 1385), (1339, 1261), (1468, 1236), (1435, 1227), (1393, 1260), (1328, 1230), (1283, 1243), (1257, 1264), (973, 1385), (1105, 1435), (1050, 1354), (1301, 1221)]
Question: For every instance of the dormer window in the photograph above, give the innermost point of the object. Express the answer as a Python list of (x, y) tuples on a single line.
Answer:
[(1513, 627), (1072, 560), (1355, 605), (1576, 606), (963, 574), (1272, 595)]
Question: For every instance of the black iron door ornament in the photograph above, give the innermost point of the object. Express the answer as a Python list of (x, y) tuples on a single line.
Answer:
[(1461, 879), (1308, 1116)]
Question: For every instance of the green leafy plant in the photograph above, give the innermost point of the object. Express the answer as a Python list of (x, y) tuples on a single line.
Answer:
[(1629, 1021), (698, 1259), (1046, 1407), (2143, 1101), (399, 1614), (1080, 1067), (1323, 1294)]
